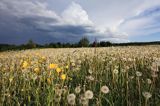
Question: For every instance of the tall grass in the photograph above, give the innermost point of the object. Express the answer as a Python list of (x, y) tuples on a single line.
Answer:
[(115, 76)]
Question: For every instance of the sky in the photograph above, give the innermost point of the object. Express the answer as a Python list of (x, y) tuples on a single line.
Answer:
[(46, 21)]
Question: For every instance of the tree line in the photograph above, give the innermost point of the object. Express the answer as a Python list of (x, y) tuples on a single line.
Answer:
[(83, 42)]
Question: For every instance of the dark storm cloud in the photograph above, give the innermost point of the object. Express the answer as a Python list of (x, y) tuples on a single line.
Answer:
[(21, 20), (18, 24)]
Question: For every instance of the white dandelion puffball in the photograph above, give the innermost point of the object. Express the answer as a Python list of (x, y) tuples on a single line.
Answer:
[(71, 96), (71, 99), (115, 71), (83, 100), (105, 89), (89, 94), (147, 95), (78, 89), (138, 74), (149, 81)]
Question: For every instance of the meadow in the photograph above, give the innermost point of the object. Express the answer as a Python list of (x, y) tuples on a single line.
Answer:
[(112, 76)]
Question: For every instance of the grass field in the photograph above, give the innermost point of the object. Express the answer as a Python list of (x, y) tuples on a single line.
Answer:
[(113, 76)]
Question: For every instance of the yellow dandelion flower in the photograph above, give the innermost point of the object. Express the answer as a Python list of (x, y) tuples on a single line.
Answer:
[(58, 70), (53, 66), (63, 76), (43, 58), (25, 64), (67, 66), (37, 70)]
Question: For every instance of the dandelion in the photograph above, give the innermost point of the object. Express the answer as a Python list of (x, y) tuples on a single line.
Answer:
[(138, 74), (58, 91), (147, 95), (73, 64), (57, 98), (105, 89), (83, 100), (89, 94), (11, 79), (71, 99), (90, 71), (37, 70), (53, 66), (25, 64), (91, 78), (149, 81), (115, 71), (131, 77), (43, 58), (67, 66), (58, 70), (77, 89), (63, 76)]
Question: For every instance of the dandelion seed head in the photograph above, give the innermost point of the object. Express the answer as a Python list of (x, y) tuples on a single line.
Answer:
[(88, 94), (78, 89), (147, 95), (105, 89), (138, 74)]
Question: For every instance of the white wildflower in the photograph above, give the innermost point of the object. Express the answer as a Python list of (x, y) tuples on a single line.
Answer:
[(138, 74), (89, 94), (105, 89), (147, 95)]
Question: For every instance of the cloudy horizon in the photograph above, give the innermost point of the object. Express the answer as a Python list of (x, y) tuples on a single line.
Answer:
[(47, 21)]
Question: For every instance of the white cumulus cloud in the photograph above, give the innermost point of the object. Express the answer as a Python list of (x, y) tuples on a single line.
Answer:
[(76, 15)]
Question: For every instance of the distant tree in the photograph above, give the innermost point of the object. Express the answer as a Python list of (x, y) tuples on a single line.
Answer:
[(84, 42), (59, 45), (31, 44), (102, 44), (108, 43)]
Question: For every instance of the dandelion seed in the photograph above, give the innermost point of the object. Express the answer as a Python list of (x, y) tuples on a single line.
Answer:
[(89, 94), (105, 89)]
